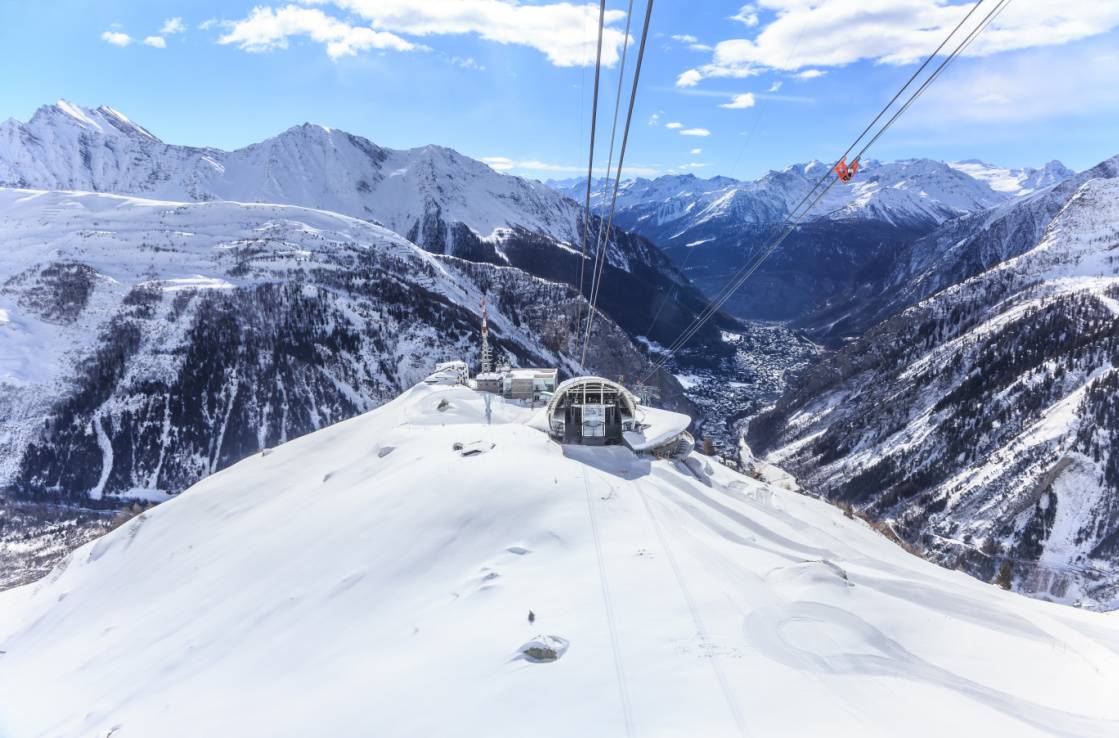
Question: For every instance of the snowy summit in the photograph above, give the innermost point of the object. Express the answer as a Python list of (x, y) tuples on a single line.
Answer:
[(376, 578)]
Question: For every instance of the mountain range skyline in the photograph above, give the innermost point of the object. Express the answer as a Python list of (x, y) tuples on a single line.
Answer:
[(729, 88), (81, 115)]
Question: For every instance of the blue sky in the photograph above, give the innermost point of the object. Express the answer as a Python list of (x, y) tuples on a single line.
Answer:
[(770, 83)]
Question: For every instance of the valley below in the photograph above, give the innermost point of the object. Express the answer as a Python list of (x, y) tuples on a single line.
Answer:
[(160, 323)]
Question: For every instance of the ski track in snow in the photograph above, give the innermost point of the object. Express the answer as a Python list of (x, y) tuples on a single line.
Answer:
[(106, 447)]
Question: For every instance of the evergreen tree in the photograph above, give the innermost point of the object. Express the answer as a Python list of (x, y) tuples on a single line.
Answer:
[(1005, 576)]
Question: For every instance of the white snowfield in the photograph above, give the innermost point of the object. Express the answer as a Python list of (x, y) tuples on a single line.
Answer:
[(372, 579), (657, 427)]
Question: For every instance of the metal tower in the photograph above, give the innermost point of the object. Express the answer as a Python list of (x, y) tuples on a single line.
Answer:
[(487, 353)]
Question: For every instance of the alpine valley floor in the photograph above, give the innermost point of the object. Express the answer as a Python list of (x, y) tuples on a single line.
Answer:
[(375, 577)]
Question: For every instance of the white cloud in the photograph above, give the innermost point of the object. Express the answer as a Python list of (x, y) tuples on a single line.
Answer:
[(207, 24), (116, 38), (689, 78), (692, 42), (674, 125), (695, 132), (692, 165), (654, 119), (155, 41), (810, 74), (564, 32), (740, 102), (696, 152), (993, 97), (172, 26), (747, 15), (776, 86), (506, 164), (830, 33), (725, 95), (466, 62), (1007, 91), (499, 163), (266, 29)]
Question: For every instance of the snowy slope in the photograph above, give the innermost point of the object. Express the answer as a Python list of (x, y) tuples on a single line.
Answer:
[(1016, 182), (369, 579), (984, 421), (145, 344)]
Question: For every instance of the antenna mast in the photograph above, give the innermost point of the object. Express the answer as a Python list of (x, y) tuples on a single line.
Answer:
[(487, 354)]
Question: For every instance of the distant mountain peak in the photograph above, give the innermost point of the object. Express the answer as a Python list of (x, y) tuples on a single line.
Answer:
[(916, 192), (71, 147), (102, 120)]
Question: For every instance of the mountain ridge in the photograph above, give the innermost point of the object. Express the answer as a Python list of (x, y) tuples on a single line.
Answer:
[(951, 253), (981, 421), (964, 187), (434, 196), (159, 341), (844, 248)]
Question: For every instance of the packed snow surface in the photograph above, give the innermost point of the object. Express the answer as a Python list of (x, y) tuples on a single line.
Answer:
[(658, 426), (375, 578)]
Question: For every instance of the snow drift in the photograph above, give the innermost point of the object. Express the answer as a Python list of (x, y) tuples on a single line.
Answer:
[(367, 579)]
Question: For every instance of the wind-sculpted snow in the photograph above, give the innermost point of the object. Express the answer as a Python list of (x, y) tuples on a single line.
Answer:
[(981, 423), (147, 344), (370, 579)]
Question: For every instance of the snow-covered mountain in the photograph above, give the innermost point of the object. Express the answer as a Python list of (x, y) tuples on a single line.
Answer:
[(710, 227), (377, 577), (145, 344), (433, 196), (908, 192), (951, 253), (1016, 182), (68, 147), (982, 424)]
